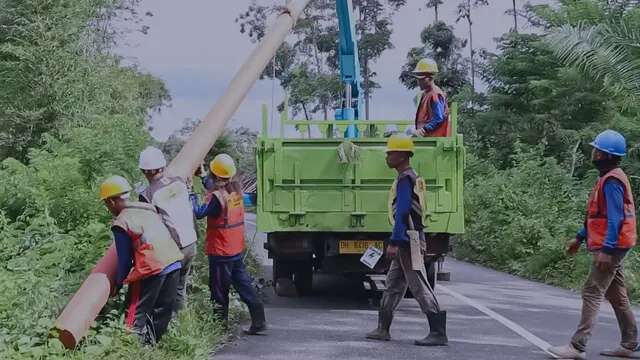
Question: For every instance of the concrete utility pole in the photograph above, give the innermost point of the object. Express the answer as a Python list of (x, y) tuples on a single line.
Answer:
[(84, 306)]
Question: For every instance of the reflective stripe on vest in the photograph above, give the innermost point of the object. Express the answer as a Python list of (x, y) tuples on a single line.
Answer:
[(153, 247), (171, 197), (424, 113), (225, 233), (596, 222), (418, 201)]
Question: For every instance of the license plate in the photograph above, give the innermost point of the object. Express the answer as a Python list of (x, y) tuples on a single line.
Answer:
[(358, 246)]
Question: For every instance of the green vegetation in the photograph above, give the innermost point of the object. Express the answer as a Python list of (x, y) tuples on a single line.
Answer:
[(71, 114), (549, 94)]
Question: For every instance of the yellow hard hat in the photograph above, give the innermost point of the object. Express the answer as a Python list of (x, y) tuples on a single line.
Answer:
[(425, 66), (400, 143), (223, 166), (113, 186)]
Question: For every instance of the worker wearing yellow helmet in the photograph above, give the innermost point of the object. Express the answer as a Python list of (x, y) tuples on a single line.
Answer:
[(148, 260), (406, 213), (224, 247), (432, 115)]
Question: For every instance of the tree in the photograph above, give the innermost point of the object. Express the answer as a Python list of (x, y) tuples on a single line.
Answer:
[(239, 143), (439, 43), (465, 12), (433, 4), (56, 72), (313, 56), (374, 29), (532, 99), (514, 12), (607, 52)]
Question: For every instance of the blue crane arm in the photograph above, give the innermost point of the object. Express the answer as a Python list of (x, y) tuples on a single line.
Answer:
[(349, 65)]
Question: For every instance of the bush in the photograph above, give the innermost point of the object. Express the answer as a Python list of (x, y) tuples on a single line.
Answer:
[(519, 219), (54, 229)]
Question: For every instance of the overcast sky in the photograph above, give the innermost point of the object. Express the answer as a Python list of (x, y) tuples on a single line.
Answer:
[(195, 46)]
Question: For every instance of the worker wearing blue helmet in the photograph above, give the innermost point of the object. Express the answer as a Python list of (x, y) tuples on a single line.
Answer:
[(609, 232)]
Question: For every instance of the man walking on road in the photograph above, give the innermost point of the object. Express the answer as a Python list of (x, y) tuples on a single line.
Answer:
[(610, 231), (406, 209), (171, 198), (225, 243)]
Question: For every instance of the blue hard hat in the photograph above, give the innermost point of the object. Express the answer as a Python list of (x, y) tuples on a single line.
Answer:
[(611, 142)]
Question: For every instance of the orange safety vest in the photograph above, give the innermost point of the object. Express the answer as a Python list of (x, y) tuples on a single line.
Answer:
[(225, 233), (424, 112), (153, 247), (596, 222)]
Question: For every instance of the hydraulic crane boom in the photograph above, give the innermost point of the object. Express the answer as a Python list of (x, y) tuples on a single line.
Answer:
[(349, 65)]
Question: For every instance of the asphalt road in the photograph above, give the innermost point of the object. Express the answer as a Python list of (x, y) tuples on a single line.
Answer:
[(491, 315)]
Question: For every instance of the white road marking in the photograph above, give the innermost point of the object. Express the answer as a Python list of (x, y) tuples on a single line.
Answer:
[(543, 345), (524, 333)]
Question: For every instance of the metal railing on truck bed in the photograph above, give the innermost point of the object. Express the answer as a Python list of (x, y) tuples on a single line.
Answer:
[(305, 186)]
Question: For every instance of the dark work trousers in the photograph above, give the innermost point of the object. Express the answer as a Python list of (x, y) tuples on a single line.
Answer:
[(223, 274), (150, 304), (189, 253)]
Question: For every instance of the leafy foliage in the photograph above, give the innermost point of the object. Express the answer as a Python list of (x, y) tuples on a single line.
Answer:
[(52, 74), (607, 51), (439, 43), (518, 219), (307, 68), (70, 115), (549, 94)]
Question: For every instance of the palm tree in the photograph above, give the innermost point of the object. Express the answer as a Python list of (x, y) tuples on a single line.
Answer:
[(608, 52), (434, 4)]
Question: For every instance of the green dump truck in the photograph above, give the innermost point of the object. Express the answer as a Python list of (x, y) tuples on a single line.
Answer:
[(321, 213)]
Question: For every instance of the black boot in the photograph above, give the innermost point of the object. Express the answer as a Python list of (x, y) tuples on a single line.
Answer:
[(437, 330), (384, 324), (258, 320)]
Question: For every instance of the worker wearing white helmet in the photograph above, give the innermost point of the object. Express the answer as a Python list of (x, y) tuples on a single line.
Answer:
[(432, 115), (224, 247), (171, 197)]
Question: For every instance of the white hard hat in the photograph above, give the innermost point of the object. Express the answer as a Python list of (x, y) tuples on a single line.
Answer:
[(152, 158)]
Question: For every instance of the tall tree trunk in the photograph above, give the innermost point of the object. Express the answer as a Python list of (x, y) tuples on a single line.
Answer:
[(436, 10), (306, 115), (515, 17), (366, 89), (473, 66)]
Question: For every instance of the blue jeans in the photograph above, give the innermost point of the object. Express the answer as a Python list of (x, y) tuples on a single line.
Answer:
[(223, 274)]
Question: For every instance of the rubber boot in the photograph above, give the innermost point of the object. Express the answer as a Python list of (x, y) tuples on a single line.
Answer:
[(382, 331), (437, 330), (258, 320)]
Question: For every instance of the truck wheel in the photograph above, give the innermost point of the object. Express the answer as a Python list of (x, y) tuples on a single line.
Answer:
[(303, 277), (281, 269), (282, 276)]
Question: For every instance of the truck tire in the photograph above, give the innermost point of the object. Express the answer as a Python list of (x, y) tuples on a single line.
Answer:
[(303, 277), (282, 276)]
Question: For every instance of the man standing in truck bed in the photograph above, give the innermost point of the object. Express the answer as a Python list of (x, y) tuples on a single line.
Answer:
[(406, 209), (432, 115)]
